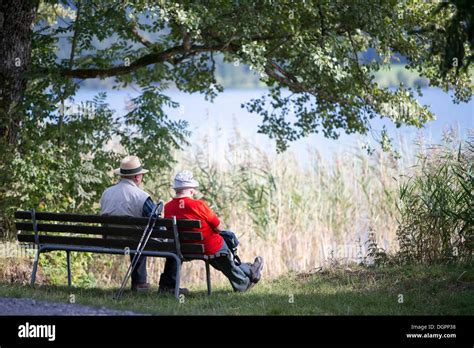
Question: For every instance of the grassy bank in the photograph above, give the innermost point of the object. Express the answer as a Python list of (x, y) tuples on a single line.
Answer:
[(435, 290)]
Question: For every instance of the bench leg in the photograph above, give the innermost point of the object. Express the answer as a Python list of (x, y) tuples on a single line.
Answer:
[(69, 278), (208, 277), (35, 268), (178, 276)]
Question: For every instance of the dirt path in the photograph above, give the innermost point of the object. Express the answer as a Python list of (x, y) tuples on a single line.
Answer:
[(28, 306)]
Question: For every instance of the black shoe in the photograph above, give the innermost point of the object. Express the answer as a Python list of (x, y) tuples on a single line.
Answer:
[(141, 287), (256, 269), (182, 291)]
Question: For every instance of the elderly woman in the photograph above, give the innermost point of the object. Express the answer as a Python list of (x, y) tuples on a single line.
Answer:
[(242, 276)]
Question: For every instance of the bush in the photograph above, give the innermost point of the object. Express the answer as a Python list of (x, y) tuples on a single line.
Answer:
[(435, 205)]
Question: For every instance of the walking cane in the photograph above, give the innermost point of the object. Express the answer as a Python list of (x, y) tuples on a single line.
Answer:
[(141, 246)]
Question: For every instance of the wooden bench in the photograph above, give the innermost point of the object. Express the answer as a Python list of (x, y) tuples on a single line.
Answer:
[(47, 231)]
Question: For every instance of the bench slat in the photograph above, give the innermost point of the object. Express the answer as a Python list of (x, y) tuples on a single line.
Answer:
[(106, 219), (111, 243), (107, 230)]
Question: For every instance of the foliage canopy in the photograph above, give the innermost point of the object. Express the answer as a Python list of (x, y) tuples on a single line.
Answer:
[(311, 48), (308, 53)]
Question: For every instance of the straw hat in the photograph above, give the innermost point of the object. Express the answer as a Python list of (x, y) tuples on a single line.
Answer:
[(185, 179), (130, 166)]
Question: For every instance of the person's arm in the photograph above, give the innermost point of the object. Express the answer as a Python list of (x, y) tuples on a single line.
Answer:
[(148, 207), (212, 218)]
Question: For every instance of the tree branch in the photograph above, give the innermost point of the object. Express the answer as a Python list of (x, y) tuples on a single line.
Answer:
[(74, 27), (169, 55), (133, 29), (284, 77), (367, 96), (148, 59)]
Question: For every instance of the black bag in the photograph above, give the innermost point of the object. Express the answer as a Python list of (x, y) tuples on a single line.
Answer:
[(232, 242)]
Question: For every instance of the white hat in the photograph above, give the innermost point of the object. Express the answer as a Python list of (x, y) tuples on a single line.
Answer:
[(130, 166), (184, 179)]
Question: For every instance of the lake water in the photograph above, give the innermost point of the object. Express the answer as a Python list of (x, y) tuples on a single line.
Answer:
[(219, 119)]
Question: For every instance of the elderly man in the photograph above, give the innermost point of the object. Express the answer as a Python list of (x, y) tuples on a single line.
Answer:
[(241, 276), (127, 198)]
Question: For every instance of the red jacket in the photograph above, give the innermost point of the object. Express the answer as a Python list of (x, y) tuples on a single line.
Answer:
[(193, 209)]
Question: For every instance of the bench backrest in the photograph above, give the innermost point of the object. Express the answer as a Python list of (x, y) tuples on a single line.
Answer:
[(107, 231)]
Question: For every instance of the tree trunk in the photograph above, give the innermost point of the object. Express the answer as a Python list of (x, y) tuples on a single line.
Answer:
[(16, 18)]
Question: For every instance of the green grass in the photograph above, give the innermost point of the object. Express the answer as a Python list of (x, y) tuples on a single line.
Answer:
[(434, 290)]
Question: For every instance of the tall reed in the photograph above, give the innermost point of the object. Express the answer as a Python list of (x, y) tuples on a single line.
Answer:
[(436, 204), (297, 217)]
